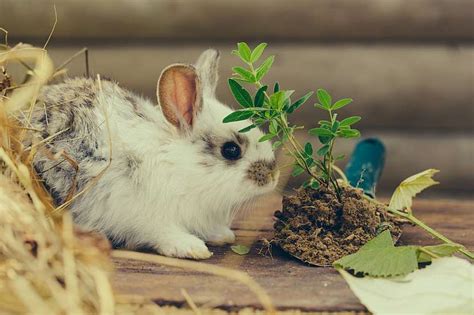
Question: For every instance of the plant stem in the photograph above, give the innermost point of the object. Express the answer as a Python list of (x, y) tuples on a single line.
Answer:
[(297, 148), (410, 217), (329, 160)]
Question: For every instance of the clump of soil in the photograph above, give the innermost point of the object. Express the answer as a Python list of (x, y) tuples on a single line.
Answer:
[(315, 227)]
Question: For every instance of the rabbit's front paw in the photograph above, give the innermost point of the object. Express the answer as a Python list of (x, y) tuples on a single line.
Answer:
[(185, 246), (220, 236)]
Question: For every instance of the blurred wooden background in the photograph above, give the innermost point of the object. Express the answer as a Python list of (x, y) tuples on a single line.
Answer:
[(408, 64)]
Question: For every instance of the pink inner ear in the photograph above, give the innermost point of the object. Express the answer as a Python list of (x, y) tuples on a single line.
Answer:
[(184, 95)]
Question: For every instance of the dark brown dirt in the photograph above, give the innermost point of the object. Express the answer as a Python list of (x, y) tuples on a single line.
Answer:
[(316, 228)]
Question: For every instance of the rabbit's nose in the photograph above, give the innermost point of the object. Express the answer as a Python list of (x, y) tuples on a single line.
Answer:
[(262, 172)]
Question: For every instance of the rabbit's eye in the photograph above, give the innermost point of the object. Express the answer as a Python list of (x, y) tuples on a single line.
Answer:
[(231, 151)]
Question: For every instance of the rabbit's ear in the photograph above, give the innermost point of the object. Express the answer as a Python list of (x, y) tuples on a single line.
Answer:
[(179, 94), (206, 66)]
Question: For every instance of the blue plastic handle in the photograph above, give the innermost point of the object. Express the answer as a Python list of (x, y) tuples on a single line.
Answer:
[(366, 165)]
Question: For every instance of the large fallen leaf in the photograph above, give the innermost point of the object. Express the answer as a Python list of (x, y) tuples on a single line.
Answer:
[(444, 287), (404, 193), (380, 258)]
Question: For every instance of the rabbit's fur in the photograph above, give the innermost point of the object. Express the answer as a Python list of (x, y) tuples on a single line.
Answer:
[(168, 185)]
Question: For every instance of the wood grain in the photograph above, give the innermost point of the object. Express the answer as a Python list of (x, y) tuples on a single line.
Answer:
[(243, 20), (420, 87), (291, 284)]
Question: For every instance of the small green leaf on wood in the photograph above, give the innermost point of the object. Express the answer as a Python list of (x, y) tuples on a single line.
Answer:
[(308, 148), (380, 258), (403, 196), (240, 94), (240, 249)]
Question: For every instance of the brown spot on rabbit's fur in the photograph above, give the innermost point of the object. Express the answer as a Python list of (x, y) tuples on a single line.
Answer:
[(260, 172)]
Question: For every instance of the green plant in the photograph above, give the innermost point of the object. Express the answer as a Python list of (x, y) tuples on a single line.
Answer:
[(272, 108)]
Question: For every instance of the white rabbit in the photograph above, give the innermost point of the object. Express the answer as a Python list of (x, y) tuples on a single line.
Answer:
[(177, 173)]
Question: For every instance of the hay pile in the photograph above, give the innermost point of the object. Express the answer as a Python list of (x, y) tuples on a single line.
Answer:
[(45, 267)]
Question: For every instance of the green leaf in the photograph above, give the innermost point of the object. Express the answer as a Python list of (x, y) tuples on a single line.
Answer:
[(244, 74), (350, 120), (277, 100), (380, 258), (286, 104), (320, 106), (322, 151), (308, 148), (314, 184), (260, 96), (341, 103), (324, 98), (247, 129), (325, 139), (240, 94), (441, 250), (244, 51), (339, 157), (297, 170), (263, 69), (403, 196), (335, 126), (238, 116), (349, 133), (276, 87), (276, 144), (320, 132), (266, 137), (273, 127), (324, 123), (240, 249), (299, 102), (257, 52)]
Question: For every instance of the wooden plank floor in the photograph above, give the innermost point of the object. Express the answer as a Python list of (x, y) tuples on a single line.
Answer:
[(290, 284)]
